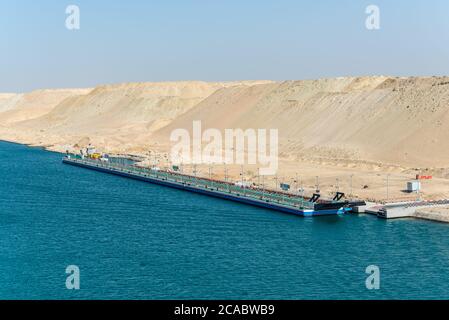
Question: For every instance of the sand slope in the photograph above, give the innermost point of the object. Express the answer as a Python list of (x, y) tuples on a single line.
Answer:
[(369, 125), (391, 120), (116, 117), (399, 121), (7, 101), (19, 107)]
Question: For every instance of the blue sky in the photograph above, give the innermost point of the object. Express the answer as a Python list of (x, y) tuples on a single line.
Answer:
[(217, 40)]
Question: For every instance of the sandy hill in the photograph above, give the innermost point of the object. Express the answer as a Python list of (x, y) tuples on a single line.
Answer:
[(7, 101), (366, 126), (19, 107), (395, 120), (391, 120), (115, 117)]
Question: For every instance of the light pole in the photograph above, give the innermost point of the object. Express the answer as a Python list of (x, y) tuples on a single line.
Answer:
[(241, 176), (181, 175), (194, 173), (282, 190), (418, 191), (350, 185), (296, 183), (388, 178), (263, 187)]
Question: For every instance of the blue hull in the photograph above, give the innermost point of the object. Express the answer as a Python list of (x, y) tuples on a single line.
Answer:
[(216, 194)]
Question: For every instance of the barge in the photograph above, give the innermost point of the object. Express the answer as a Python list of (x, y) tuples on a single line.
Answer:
[(269, 199)]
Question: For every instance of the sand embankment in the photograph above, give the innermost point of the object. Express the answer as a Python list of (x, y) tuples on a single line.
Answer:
[(16, 108), (365, 127), (396, 121), (117, 118)]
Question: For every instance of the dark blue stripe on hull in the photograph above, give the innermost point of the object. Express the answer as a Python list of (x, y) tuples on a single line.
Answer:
[(215, 194)]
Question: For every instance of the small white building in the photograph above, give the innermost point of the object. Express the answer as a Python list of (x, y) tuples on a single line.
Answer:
[(413, 186)]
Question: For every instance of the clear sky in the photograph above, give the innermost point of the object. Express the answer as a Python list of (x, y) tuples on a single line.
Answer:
[(217, 40)]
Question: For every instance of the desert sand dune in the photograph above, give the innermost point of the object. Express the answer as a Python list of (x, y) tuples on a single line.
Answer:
[(116, 117), (367, 126), (396, 121), (20, 107), (7, 101)]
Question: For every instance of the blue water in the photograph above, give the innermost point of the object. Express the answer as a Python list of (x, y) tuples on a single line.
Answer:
[(133, 240)]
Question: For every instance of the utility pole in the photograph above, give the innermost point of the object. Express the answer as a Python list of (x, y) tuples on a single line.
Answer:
[(317, 184), (388, 178), (282, 190), (296, 183), (263, 187), (351, 185), (419, 189), (419, 186), (243, 186)]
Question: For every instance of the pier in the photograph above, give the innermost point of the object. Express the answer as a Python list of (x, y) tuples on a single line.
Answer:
[(270, 199), (414, 209)]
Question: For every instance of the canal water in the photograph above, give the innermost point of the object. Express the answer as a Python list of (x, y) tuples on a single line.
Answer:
[(133, 240)]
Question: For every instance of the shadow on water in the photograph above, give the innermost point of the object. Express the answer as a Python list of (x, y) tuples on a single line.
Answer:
[(330, 220)]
